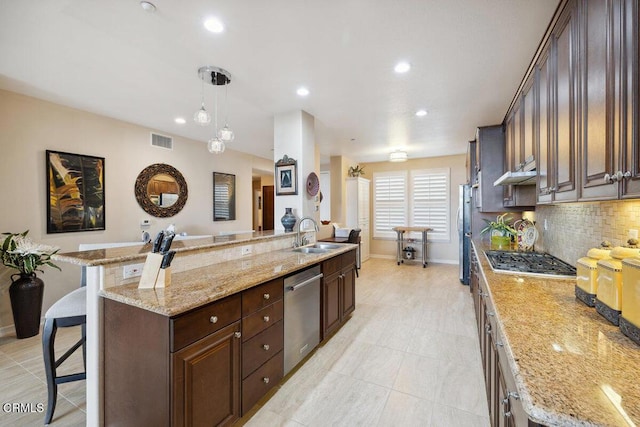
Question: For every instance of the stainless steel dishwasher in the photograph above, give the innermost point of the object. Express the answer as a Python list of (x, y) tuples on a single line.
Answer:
[(301, 315)]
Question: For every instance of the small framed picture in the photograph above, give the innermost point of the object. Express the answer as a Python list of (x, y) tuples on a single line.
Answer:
[(286, 176)]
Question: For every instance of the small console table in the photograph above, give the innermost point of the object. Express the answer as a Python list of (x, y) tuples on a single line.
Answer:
[(400, 242)]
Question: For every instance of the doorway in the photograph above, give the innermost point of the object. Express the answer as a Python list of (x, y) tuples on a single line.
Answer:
[(267, 207)]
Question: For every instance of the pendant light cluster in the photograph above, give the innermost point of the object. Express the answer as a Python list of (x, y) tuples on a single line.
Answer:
[(217, 77)]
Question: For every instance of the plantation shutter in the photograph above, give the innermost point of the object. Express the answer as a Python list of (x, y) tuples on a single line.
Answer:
[(389, 202), (430, 202)]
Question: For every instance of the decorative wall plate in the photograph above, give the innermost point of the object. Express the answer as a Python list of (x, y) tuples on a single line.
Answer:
[(313, 184), (527, 235)]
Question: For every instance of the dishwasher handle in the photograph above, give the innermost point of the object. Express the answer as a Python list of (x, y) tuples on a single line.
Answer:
[(305, 283)]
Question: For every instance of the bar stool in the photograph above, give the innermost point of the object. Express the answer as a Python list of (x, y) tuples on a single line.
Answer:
[(354, 237), (70, 310)]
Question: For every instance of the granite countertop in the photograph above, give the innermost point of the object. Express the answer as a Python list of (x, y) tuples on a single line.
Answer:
[(571, 366), (195, 288), (139, 252)]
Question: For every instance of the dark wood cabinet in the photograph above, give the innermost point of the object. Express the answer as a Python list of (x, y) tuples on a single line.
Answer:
[(505, 407), (206, 380), (543, 125), (338, 291), (263, 340), (630, 128), (181, 371)]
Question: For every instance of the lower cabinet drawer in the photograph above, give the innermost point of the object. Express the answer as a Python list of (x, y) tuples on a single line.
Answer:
[(262, 347), (261, 381), (261, 320)]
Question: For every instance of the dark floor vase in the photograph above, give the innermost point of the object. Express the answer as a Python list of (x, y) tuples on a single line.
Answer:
[(26, 303)]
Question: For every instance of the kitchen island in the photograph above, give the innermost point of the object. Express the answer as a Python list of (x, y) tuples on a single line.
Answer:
[(548, 358), (204, 271)]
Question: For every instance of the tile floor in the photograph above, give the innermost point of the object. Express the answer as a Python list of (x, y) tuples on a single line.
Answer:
[(408, 356)]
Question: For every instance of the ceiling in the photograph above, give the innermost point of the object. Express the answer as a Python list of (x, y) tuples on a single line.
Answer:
[(112, 58)]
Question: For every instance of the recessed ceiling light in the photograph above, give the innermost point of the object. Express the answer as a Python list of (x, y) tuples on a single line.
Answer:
[(148, 6), (214, 25), (421, 113), (180, 120), (402, 67), (302, 91)]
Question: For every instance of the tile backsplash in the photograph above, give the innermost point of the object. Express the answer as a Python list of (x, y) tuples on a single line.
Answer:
[(574, 228)]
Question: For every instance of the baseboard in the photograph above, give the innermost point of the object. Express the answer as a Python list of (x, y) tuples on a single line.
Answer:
[(434, 260)]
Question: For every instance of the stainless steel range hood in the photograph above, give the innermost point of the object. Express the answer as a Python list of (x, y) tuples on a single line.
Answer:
[(525, 175)]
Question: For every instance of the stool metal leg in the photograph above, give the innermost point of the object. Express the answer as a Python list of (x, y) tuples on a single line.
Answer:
[(48, 338)]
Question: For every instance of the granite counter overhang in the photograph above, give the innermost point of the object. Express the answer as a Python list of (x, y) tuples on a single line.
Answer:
[(194, 288), (569, 363)]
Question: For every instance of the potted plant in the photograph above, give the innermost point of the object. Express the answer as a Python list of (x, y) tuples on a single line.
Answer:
[(356, 171), (26, 290), (501, 231)]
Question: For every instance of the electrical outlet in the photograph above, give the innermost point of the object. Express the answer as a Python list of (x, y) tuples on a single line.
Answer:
[(132, 270), (246, 250)]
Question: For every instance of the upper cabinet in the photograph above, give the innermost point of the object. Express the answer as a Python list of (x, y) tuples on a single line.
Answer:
[(578, 110), (564, 49), (630, 129)]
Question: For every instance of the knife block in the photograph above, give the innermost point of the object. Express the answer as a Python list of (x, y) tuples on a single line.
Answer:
[(150, 271), (164, 278)]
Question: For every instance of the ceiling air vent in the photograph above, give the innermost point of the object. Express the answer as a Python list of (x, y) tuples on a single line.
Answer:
[(161, 141)]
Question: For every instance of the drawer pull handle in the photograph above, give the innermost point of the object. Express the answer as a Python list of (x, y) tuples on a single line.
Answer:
[(237, 334), (499, 344), (213, 319), (266, 296), (265, 318), (266, 347), (265, 380)]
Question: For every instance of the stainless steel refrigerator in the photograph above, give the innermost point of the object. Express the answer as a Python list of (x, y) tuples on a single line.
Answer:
[(464, 231)]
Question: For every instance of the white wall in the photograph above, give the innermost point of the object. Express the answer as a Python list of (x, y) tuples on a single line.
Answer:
[(438, 251), (31, 126)]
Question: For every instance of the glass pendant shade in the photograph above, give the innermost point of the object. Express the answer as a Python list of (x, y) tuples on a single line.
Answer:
[(202, 116), (226, 134), (216, 146)]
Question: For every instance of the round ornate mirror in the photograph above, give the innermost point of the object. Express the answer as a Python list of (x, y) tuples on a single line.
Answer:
[(161, 190)]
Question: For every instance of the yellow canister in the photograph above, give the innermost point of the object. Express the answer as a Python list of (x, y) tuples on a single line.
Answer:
[(609, 293), (631, 290), (587, 275)]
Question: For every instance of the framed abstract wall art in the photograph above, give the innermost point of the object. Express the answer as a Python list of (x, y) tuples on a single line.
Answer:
[(75, 190)]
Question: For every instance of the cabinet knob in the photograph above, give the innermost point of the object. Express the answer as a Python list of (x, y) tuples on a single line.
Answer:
[(607, 178), (499, 344), (626, 175), (266, 296), (507, 414), (265, 380), (265, 318), (237, 334), (266, 347), (213, 319), (490, 313), (513, 394), (487, 329)]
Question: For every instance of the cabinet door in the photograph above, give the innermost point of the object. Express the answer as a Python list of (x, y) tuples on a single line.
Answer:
[(565, 107), (630, 136), (528, 119), (348, 285), (509, 156), (330, 304), (543, 124), (206, 379), (599, 154)]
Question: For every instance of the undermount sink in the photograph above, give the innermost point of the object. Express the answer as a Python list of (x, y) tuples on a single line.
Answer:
[(311, 250), (326, 246)]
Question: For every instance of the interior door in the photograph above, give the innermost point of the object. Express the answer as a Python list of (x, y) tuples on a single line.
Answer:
[(267, 207)]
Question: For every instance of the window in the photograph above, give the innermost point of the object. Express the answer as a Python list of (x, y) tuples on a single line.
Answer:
[(417, 198), (389, 202)]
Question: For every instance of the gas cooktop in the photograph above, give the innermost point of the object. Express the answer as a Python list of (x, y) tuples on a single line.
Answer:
[(533, 263)]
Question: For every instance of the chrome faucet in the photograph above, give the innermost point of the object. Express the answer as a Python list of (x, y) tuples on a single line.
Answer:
[(302, 241)]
